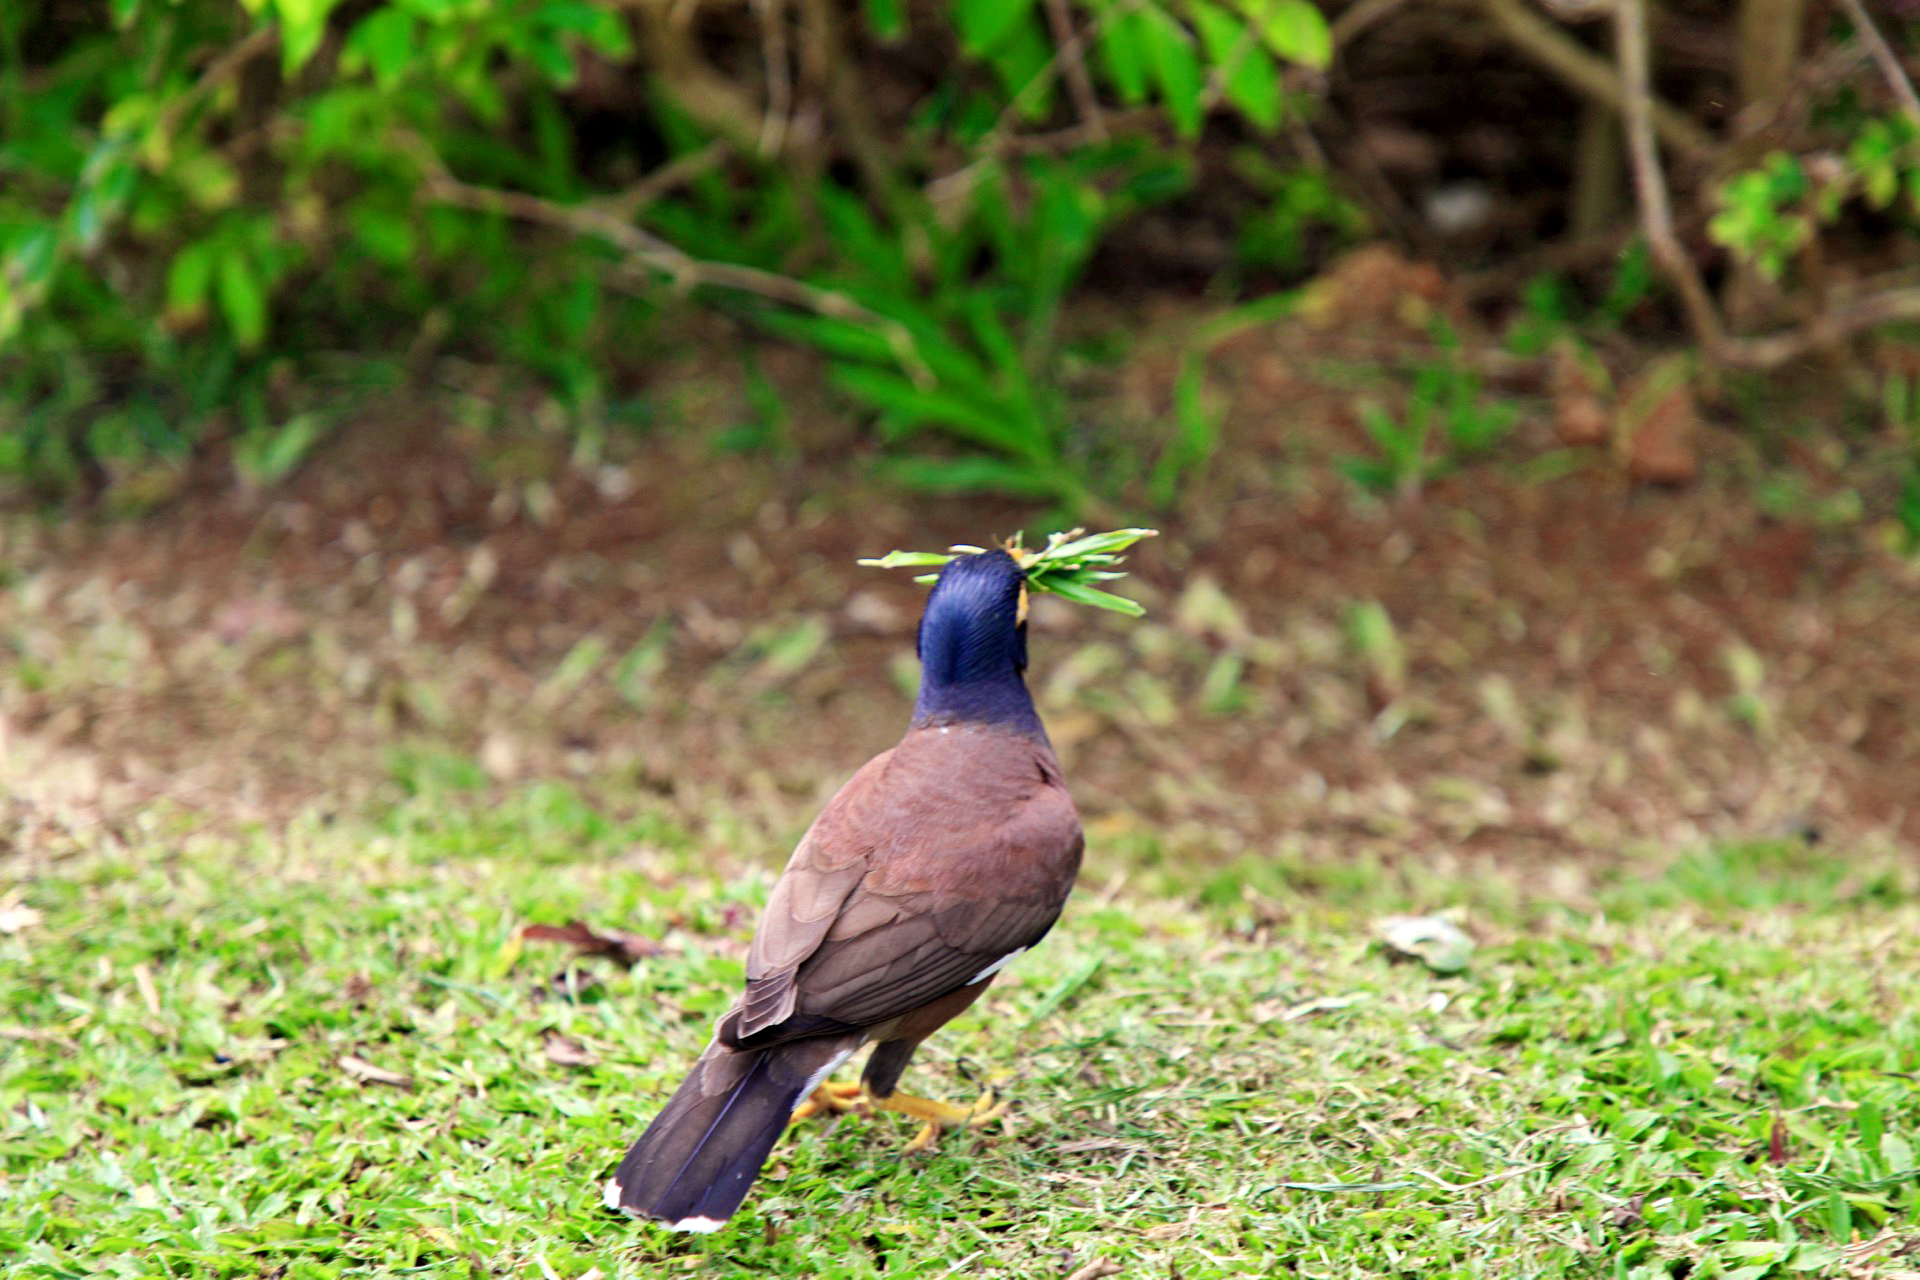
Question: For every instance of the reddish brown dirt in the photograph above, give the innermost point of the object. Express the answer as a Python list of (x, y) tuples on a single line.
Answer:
[(1579, 665)]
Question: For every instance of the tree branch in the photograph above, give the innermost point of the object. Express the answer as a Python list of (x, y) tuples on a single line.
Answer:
[(1884, 56), (1074, 68), (1649, 184), (229, 64), (655, 256), (1832, 326), (676, 172), (1591, 75)]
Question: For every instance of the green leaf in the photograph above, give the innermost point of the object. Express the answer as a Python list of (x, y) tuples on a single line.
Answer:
[(887, 18), (1123, 51), (208, 179), (1079, 593), (243, 298), (598, 27), (1021, 61), (385, 40), (1294, 29), (1100, 546), (984, 24), (34, 257), (906, 559), (189, 277), (935, 406), (1176, 68), (966, 475), (551, 57), (386, 234), (834, 336), (303, 24), (1247, 75)]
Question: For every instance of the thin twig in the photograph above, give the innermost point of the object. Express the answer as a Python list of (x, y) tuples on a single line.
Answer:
[(1884, 57), (773, 126), (1591, 75), (1360, 18), (218, 72), (676, 172), (1073, 69), (1650, 186), (655, 255), (998, 138)]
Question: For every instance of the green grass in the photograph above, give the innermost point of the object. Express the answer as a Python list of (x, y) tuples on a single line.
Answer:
[(1699, 1071)]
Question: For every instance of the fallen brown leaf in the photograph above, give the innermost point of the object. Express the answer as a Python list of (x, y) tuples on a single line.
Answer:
[(567, 1052), (1095, 1270), (366, 1073), (624, 949)]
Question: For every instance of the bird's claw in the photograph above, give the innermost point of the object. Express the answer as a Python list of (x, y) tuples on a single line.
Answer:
[(831, 1099), (939, 1116)]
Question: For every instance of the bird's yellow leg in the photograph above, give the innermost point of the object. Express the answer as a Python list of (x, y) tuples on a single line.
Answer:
[(942, 1115), (830, 1098)]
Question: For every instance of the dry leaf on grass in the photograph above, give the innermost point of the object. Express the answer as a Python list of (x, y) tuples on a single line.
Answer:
[(366, 1073), (567, 1052), (16, 916), (624, 949), (1281, 1011)]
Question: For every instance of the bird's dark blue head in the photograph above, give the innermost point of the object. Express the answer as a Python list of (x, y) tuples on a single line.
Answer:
[(973, 645)]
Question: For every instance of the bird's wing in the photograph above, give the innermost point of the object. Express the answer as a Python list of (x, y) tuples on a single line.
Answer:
[(932, 866)]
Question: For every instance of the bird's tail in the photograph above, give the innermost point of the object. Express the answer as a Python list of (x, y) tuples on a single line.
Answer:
[(696, 1161)]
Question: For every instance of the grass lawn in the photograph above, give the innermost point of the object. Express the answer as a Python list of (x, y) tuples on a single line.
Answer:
[(327, 1051)]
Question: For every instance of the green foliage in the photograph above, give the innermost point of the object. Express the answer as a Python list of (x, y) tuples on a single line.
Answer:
[(181, 206), (1760, 216), (980, 313), (1551, 308), (1302, 205), (1769, 214), (1067, 566), (1447, 420), (199, 198)]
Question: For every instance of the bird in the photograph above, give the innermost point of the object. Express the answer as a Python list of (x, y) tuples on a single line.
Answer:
[(934, 866)]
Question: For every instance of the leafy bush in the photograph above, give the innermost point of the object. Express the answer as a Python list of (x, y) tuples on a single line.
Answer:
[(201, 199)]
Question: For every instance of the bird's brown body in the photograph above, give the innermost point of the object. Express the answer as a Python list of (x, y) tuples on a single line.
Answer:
[(935, 864)]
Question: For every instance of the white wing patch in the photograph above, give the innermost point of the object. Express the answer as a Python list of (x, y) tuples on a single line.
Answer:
[(997, 966), (820, 1076), (610, 1195), (702, 1225)]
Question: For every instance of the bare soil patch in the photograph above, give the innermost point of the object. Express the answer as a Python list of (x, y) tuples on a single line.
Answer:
[(1580, 666)]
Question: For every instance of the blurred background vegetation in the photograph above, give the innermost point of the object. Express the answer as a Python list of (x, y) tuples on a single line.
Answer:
[(224, 225)]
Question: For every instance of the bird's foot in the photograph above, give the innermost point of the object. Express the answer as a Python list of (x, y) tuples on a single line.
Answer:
[(942, 1115), (830, 1099)]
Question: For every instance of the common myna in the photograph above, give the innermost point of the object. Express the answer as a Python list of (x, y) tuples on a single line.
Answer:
[(939, 862)]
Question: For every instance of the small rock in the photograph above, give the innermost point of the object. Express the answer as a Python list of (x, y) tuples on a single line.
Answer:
[(1579, 386), (1656, 425)]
